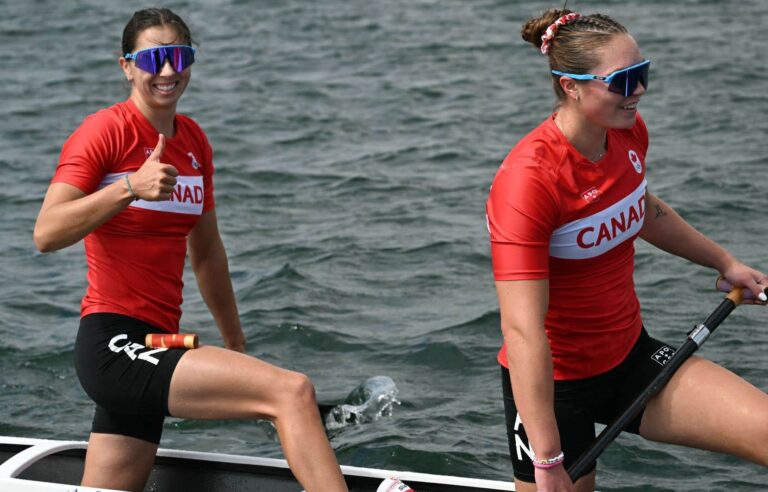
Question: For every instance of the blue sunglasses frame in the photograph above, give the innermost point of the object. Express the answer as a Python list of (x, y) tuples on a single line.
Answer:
[(152, 59), (639, 70)]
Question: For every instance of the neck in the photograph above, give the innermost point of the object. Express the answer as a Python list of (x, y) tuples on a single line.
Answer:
[(585, 136), (162, 119)]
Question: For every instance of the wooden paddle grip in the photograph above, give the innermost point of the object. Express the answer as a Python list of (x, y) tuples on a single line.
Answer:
[(170, 340), (725, 286)]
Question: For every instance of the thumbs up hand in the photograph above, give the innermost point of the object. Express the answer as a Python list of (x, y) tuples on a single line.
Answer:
[(154, 181)]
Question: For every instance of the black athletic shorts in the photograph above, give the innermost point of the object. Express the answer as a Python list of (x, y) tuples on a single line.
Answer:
[(582, 402), (128, 381)]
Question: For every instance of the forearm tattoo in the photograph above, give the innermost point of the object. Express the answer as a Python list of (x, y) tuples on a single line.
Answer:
[(660, 211)]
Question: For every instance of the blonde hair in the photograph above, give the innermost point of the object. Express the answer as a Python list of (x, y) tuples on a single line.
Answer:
[(575, 45)]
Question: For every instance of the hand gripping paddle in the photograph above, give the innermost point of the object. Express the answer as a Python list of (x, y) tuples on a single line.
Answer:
[(696, 339)]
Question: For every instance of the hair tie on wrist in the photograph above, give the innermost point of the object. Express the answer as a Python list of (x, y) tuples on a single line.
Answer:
[(548, 463), (549, 34), (130, 189)]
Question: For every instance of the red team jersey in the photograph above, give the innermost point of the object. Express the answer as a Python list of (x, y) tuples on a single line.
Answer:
[(553, 214), (135, 260)]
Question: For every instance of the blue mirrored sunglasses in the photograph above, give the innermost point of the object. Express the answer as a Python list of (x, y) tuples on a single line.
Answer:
[(152, 59), (622, 81)]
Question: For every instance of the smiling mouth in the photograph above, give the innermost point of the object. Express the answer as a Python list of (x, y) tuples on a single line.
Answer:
[(630, 107), (166, 87)]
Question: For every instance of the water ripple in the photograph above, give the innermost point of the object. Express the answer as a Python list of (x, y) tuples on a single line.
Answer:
[(354, 146)]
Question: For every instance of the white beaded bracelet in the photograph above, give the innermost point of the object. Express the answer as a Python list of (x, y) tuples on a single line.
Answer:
[(550, 462), (130, 189)]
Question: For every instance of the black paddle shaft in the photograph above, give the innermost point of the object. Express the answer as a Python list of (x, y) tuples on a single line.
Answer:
[(696, 339)]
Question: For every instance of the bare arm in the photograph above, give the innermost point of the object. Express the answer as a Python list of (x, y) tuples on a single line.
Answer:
[(523, 305), (67, 214), (209, 262), (666, 230)]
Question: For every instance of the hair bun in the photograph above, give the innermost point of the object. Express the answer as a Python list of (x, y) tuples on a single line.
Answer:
[(534, 29)]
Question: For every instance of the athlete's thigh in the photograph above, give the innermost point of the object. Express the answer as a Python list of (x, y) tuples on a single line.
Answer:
[(216, 383), (706, 406)]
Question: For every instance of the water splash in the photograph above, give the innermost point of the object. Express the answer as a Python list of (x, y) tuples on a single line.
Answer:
[(368, 402)]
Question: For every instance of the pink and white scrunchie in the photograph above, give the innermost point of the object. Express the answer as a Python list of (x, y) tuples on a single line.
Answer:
[(549, 35)]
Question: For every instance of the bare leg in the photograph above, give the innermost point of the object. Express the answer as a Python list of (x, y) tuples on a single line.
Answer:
[(118, 462), (215, 383), (708, 407)]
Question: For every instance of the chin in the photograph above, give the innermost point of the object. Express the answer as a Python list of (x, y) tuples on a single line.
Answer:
[(625, 126), (623, 122), (163, 100)]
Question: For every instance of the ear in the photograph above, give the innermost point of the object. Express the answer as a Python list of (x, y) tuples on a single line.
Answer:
[(570, 87), (127, 68)]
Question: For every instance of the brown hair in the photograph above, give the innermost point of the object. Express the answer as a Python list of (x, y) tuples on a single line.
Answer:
[(575, 45), (153, 17)]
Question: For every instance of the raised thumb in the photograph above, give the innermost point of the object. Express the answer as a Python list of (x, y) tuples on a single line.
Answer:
[(157, 152)]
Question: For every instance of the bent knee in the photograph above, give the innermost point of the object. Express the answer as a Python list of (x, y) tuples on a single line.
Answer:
[(300, 388), (295, 393)]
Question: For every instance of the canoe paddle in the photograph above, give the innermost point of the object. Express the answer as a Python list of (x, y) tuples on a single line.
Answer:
[(695, 340)]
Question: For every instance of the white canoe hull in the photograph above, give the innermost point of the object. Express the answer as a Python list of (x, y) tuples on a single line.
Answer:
[(39, 465)]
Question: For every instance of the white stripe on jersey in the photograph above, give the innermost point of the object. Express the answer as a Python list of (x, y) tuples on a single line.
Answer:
[(187, 197), (599, 233)]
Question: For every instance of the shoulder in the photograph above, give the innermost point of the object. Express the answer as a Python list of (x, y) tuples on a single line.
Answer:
[(190, 127), (526, 184), (539, 156), (191, 132), (545, 146), (106, 128), (106, 120)]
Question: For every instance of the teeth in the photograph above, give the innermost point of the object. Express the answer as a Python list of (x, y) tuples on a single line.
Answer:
[(631, 106), (167, 87)]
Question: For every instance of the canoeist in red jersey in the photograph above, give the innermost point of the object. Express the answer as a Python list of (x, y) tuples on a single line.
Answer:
[(136, 182), (564, 210)]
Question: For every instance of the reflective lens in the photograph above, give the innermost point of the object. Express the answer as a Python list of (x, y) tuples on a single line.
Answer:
[(622, 81), (625, 81), (152, 59)]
